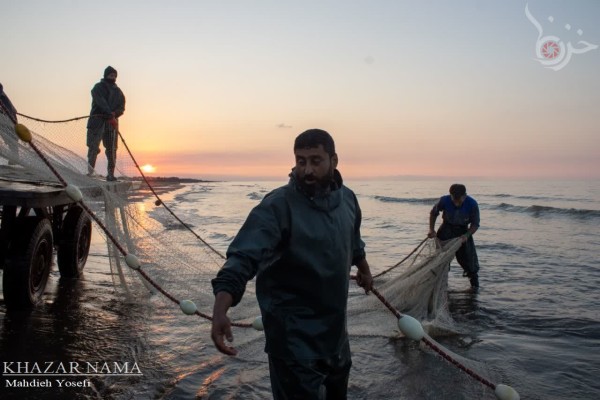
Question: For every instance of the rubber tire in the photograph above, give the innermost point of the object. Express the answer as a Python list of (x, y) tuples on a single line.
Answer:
[(74, 247), (28, 264)]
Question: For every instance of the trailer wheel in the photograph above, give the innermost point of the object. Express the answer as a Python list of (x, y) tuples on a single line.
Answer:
[(74, 248), (28, 264)]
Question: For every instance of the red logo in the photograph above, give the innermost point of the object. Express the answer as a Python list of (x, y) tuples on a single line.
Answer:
[(550, 50)]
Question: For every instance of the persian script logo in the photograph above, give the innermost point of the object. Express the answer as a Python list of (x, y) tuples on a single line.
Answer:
[(551, 51)]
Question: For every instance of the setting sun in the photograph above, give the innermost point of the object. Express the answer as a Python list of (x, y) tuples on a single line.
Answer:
[(148, 168)]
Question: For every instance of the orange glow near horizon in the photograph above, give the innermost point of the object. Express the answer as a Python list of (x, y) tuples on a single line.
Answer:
[(148, 168), (363, 164)]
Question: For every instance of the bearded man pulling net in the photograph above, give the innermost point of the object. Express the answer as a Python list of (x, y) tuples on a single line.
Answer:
[(299, 242)]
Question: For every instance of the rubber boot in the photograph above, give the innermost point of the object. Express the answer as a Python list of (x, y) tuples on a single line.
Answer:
[(474, 279)]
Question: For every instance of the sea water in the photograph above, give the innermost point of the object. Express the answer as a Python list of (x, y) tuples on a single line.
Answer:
[(535, 320)]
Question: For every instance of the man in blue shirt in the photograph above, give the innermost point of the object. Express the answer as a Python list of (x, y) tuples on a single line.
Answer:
[(300, 243), (460, 214)]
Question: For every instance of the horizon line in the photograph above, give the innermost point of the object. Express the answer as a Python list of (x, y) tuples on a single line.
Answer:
[(233, 177)]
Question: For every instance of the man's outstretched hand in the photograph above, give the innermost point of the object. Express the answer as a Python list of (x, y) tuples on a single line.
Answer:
[(221, 325), (221, 330)]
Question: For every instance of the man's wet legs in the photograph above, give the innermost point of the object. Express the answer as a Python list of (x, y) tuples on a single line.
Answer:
[(110, 144), (94, 136)]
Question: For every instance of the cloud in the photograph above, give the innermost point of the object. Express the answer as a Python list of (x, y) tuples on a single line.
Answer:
[(284, 126)]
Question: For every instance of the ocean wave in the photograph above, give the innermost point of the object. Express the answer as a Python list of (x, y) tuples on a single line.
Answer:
[(539, 211), (563, 326), (255, 196), (192, 192), (503, 247), (506, 195), (220, 236), (531, 197), (176, 226), (425, 200)]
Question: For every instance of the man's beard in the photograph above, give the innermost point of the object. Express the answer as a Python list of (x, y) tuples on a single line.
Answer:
[(318, 185)]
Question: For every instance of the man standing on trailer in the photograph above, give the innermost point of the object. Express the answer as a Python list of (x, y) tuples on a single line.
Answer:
[(108, 104)]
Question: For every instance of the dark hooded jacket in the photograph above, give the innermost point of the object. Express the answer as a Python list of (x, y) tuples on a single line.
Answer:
[(107, 98), (301, 249)]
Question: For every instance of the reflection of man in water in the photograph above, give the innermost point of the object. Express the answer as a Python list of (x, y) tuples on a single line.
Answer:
[(108, 104), (7, 108), (461, 218)]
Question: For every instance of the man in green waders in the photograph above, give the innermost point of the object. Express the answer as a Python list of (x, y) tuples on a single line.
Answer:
[(300, 243), (108, 104)]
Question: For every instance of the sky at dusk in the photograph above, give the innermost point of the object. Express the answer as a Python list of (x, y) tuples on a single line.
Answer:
[(220, 89)]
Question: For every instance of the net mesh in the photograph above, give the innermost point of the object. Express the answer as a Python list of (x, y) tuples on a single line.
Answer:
[(182, 264), (417, 288)]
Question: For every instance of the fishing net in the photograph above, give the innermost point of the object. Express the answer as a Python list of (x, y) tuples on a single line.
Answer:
[(417, 287), (177, 264)]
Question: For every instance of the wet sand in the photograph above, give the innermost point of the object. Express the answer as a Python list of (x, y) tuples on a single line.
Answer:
[(88, 339)]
